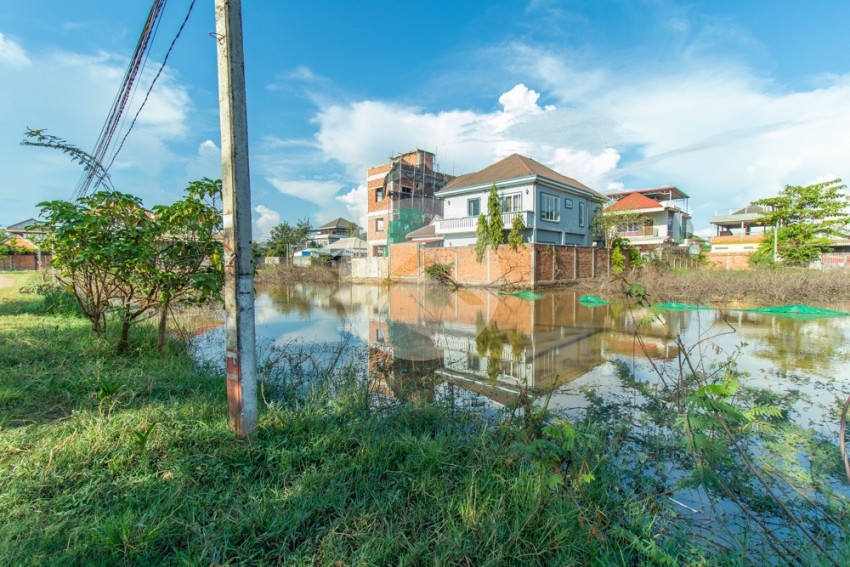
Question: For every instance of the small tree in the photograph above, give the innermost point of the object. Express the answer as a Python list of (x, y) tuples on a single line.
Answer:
[(803, 217), (482, 233), (98, 242), (284, 237), (496, 227), (515, 236)]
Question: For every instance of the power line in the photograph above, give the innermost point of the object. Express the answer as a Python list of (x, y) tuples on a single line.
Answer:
[(120, 103), (124, 98), (153, 82)]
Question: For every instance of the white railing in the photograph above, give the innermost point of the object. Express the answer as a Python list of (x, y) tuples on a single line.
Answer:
[(469, 224)]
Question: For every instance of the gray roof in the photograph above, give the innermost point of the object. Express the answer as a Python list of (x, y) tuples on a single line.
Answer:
[(514, 166), (336, 223)]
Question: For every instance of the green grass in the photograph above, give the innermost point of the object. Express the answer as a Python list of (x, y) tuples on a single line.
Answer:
[(107, 460)]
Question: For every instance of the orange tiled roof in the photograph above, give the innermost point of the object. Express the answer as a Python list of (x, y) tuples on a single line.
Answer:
[(634, 202)]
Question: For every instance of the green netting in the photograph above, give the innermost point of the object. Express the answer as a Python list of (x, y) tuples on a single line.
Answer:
[(406, 220), (524, 294), (673, 306), (797, 311), (592, 300)]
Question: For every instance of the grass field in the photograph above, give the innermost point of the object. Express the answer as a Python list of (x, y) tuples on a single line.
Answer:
[(109, 460)]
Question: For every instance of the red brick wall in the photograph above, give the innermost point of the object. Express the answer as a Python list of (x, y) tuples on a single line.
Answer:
[(729, 260), (503, 267), (24, 262)]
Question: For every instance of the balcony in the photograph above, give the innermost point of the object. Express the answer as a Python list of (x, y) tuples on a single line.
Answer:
[(644, 234), (469, 224)]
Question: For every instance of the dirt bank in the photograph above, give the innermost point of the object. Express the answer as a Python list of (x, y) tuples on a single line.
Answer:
[(765, 287)]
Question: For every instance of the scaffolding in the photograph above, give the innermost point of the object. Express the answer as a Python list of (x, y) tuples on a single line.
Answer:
[(410, 185)]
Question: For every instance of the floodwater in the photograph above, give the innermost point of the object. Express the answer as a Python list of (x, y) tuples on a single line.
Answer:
[(499, 347)]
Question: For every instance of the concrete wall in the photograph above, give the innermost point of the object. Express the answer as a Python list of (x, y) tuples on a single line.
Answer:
[(370, 268), (528, 266), (729, 260)]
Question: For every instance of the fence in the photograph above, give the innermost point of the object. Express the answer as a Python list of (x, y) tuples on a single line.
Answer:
[(17, 262), (529, 266)]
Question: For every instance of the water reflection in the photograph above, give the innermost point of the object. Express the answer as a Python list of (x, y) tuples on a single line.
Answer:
[(419, 340)]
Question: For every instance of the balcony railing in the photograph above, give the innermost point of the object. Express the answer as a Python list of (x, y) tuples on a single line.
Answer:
[(646, 231), (469, 224)]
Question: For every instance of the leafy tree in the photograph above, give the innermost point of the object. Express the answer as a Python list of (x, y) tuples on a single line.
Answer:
[(803, 217), (284, 237), (496, 227), (490, 230), (189, 261), (116, 256), (606, 224), (482, 234), (515, 236), (98, 242)]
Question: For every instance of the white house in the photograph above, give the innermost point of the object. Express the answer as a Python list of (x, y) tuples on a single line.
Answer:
[(664, 216), (555, 209)]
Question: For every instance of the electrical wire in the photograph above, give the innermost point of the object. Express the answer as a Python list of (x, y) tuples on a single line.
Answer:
[(113, 119), (153, 82)]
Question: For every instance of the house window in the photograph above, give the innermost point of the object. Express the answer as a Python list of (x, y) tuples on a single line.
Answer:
[(581, 214), (379, 194), (568, 203), (405, 192), (511, 203), (549, 209), (379, 335), (473, 207), (379, 225)]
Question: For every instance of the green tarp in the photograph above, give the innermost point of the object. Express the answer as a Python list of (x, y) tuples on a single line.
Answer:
[(524, 294), (797, 311), (592, 300)]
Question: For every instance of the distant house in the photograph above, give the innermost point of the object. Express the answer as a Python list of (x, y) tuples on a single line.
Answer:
[(738, 230), (331, 232), (351, 246), (22, 236), (554, 208), (662, 216)]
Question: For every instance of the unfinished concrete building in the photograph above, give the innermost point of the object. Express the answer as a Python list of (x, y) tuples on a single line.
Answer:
[(401, 198)]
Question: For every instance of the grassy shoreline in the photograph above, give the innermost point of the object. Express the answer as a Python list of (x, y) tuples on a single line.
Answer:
[(107, 460)]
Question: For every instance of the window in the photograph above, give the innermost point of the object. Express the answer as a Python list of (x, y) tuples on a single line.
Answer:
[(379, 194), (549, 209), (581, 214), (568, 203), (379, 335), (406, 192), (511, 203), (379, 225), (473, 207)]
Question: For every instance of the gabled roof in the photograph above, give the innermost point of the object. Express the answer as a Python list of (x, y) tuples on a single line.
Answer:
[(429, 231), (634, 202), (514, 166), (21, 226), (336, 223)]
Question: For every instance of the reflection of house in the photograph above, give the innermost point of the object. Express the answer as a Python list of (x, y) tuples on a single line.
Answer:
[(659, 216), (331, 232), (554, 208), (401, 198), (496, 345)]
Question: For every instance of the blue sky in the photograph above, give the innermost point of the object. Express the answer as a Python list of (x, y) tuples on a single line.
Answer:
[(728, 100)]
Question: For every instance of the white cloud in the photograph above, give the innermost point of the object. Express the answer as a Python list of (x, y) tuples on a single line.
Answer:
[(362, 134), (70, 94), (355, 204), (207, 162), (11, 53), (264, 224)]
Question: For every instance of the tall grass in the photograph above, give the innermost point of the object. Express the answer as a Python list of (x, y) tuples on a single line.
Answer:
[(107, 460)]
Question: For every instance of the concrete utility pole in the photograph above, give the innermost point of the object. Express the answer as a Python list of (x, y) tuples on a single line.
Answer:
[(241, 356)]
